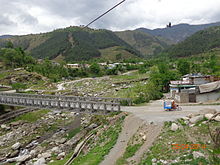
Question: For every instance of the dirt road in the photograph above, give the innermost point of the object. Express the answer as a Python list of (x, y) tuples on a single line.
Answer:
[(154, 112)]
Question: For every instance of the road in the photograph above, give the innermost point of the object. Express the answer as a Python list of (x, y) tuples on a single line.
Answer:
[(153, 112)]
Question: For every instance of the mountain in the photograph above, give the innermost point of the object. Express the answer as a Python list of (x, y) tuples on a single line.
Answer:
[(5, 36), (178, 33), (72, 44), (200, 42), (147, 44)]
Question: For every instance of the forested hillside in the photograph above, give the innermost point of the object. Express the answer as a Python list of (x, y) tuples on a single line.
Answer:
[(200, 42), (178, 33), (73, 43), (147, 44)]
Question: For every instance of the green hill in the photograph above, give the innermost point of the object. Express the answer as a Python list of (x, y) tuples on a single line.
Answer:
[(200, 42), (147, 44), (71, 44)]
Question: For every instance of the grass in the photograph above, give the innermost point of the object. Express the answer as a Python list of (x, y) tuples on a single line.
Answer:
[(72, 133), (106, 141), (129, 152), (31, 116), (162, 147)]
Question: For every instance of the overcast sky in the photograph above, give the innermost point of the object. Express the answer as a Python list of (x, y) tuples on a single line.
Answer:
[(35, 16)]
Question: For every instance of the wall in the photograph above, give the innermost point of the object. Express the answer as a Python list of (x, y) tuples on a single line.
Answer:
[(182, 97), (212, 96)]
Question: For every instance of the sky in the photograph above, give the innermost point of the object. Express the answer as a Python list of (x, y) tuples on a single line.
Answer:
[(19, 17)]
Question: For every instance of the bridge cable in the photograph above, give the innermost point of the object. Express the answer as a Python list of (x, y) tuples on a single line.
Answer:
[(105, 13)]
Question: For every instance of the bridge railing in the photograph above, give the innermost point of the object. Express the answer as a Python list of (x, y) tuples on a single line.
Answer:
[(70, 98), (79, 106)]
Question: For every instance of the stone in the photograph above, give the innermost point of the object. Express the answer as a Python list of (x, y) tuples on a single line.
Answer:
[(16, 123), (23, 158), (55, 149), (33, 153), (217, 118), (154, 160), (197, 154), (195, 119), (144, 137), (46, 155), (40, 161), (205, 111), (208, 116), (16, 146), (92, 126), (14, 153), (174, 127), (61, 155), (3, 126), (61, 141), (185, 118)]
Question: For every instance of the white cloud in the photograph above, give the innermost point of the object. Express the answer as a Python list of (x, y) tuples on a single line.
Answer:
[(33, 16)]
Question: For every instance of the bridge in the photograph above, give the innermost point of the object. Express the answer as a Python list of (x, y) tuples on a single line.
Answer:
[(95, 105)]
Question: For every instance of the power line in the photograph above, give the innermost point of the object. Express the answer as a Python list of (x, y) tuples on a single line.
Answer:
[(105, 13)]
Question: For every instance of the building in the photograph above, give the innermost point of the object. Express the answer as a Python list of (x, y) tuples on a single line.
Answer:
[(73, 66), (192, 88)]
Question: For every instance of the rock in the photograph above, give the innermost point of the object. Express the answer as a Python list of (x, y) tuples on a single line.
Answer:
[(208, 116), (154, 160), (46, 155), (191, 125), (197, 154), (185, 118), (40, 161), (217, 118), (61, 155), (55, 149), (61, 141), (33, 153), (16, 123), (190, 115), (186, 122), (174, 127), (144, 137), (3, 126), (195, 119), (23, 158), (14, 153), (16, 146), (205, 111), (92, 126)]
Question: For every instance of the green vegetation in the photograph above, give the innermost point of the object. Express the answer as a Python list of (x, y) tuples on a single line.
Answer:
[(147, 44), (200, 42), (72, 133), (101, 148), (163, 148), (31, 116)]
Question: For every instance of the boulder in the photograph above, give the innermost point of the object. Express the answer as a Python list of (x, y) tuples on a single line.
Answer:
[(185, 118), (92, 126), (40, 161), (16, 146), (217, 118), (23, 158), (3, 126), (174, 127), (197, 154), (55, 149), (195, 119), (208, 116), (61, 155), (207, 110), (46, 155), (144, 137)]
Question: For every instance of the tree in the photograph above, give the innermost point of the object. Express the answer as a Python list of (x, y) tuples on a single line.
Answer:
[(18, 86), (9, 44), (94, 68), (183, 66)]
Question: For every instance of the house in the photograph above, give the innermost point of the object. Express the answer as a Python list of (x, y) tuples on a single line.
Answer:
[(191, 88), (73, 66)]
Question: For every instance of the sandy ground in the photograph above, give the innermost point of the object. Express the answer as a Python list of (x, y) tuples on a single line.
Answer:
[(139, 115), (154, 112), (130, 127)]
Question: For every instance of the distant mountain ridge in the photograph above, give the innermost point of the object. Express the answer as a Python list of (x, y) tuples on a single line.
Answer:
[(72, 44), (200, 42), (178, 33), (6, 36), (147, 44)]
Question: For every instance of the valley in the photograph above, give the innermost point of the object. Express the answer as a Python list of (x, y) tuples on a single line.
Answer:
[(60, 90)]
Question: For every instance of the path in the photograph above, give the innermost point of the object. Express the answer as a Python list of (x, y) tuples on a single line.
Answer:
[(130, 127), (153, 112)]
